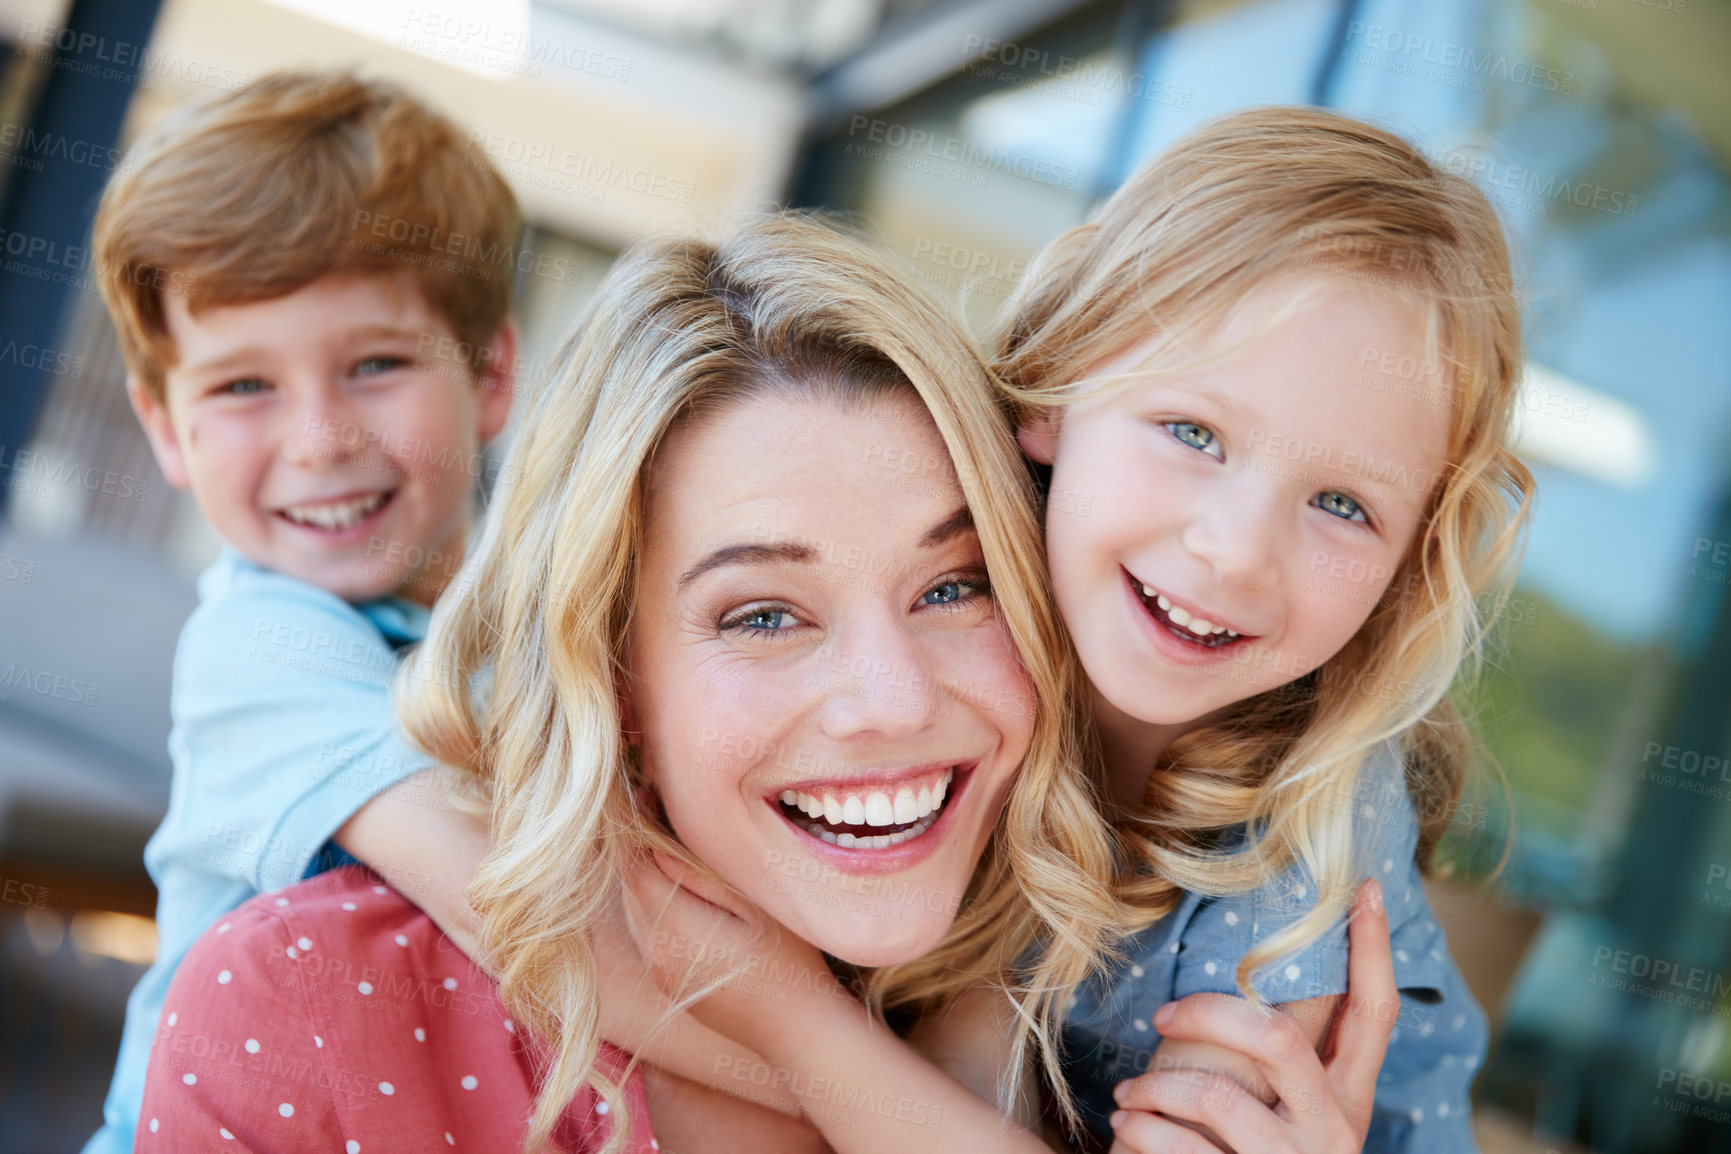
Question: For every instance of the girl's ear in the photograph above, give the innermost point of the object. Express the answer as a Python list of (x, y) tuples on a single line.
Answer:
[(1038, 436)]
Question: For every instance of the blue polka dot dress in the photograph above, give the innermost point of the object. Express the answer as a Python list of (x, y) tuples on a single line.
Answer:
[(1438, 1043)]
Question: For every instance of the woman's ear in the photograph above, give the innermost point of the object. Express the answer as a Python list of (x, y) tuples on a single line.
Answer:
[(1038, 436), (628, 723)]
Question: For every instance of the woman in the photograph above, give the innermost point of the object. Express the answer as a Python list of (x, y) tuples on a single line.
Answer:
[(734, 608)]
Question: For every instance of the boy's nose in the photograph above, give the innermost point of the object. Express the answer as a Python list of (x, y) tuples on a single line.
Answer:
[(319, 428)]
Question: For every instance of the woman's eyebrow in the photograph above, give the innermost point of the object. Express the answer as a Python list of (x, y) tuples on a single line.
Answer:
[(961, 521), (787, 552)]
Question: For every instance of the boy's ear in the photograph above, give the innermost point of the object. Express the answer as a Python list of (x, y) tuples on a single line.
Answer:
[(1038, 436), (498, 383), (159, 430)]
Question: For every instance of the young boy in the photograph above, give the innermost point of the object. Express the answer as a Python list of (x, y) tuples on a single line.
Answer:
[(311, 281)]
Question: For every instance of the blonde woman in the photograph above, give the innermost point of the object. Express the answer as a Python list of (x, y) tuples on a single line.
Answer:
[(762, 605)]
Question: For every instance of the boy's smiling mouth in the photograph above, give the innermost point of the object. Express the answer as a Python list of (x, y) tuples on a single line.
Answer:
[(868, 816), (336, 515), (1180, 622)]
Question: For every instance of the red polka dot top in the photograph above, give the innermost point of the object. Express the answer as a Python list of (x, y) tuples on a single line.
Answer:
[(334, 1016)]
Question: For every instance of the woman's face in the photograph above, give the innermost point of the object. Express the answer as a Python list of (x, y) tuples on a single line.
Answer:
[(828, 705)]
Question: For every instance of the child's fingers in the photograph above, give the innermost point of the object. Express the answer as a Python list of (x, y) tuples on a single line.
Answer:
[(1278, 1046), (708, 889), (1372, 1005), (1139, 1132), (1215, 1102)]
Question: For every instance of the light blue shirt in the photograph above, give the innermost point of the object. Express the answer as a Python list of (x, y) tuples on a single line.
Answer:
[(283, 728), (1439, 1040)]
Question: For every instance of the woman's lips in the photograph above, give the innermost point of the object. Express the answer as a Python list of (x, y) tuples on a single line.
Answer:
[(869, 819), (902, 844)]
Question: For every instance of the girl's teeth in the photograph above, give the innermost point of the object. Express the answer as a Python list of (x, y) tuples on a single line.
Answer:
[(832, 810), (879, 810), (853, 812), (1200, 626), (924, 801)]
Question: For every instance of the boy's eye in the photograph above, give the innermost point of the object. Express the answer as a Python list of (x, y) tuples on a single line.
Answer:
[(1340, 505), (244, 387), (1196, 437), (373, 366)]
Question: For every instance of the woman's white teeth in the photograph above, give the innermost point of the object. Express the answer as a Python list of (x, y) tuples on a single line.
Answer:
[(876, 807)]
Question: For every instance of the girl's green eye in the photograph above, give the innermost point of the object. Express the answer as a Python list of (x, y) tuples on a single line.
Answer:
[(1340, 505), (1197, 437)]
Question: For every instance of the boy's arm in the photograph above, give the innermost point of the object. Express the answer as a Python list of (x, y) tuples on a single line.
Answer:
[(427, 850), (283, 730)]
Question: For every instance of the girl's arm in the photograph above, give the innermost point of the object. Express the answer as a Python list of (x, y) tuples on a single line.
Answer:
[(863, 1087), (1324, 1099)]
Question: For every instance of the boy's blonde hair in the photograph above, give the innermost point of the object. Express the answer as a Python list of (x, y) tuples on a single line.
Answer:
[(1251, 196), (678, 329), (300, 175)]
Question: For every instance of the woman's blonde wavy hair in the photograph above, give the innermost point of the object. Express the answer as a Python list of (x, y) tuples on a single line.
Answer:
[(528, 642), (1251, 196)]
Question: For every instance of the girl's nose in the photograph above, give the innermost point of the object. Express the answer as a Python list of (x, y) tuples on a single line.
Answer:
[(1239, 533)]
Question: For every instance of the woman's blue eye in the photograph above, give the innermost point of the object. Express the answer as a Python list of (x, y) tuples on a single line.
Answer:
[(762, 622), (1340, 505), (1196, 437), (952, 591)]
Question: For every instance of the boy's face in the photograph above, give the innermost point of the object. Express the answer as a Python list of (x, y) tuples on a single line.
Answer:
[(1214, 532), (321, 436)]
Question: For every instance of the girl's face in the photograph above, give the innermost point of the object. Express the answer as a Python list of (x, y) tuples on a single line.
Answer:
[(1218, 531), (827, 703)]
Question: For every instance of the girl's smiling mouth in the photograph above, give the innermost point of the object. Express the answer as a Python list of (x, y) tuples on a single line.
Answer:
[(1180, 622), (873, 815)]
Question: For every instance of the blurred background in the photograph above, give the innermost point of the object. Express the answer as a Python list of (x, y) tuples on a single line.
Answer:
[(968, 133)]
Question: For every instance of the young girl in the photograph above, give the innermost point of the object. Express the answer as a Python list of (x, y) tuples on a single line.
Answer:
[(1271, 383)]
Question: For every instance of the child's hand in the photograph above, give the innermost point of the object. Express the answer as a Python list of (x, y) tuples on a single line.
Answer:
[(1324, 1106), (699, 940)]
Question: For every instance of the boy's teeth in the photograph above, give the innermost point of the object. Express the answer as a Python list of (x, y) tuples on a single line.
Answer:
[(1201, 627), (1180, 616), (335, 514)]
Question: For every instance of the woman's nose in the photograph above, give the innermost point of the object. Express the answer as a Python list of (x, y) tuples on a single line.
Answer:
[(875, 683)]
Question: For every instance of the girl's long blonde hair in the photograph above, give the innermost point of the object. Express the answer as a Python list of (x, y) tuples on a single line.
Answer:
[(527, 644), (1248, 197)]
